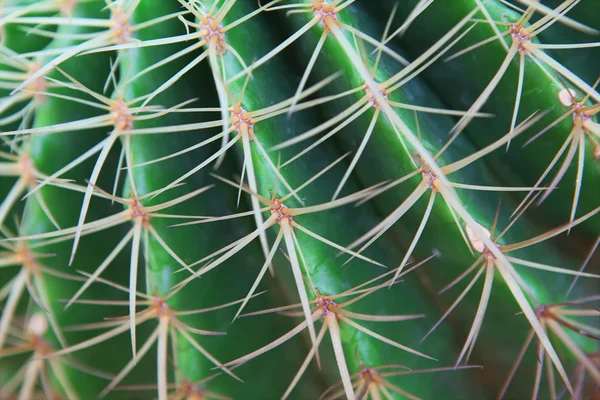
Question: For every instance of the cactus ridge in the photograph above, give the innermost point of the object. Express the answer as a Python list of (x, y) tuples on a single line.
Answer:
[(420, 178)]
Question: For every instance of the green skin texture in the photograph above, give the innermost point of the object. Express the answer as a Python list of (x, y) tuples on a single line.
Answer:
[(579, 61), (327, 274), (16, 39), (461, 81), (49, 153), (12, 36), (455, 258), (229, 282), (267, 376)]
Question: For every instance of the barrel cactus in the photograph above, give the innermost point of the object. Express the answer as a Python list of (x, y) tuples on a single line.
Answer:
[(309, 199)]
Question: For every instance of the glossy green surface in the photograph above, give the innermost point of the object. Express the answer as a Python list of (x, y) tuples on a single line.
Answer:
[(49, 153), (326, 270), (448, 85), (231, 280)]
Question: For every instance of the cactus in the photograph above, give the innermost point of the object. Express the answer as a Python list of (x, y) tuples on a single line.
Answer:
[(311, 199)]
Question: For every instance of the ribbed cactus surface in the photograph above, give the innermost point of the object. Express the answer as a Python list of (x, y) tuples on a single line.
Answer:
[(304, 199)]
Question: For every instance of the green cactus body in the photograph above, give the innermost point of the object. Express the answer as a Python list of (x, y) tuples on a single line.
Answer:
[(190, 243), (213, 199), (540, 92), (323, 267), (384, 145), (48, 277)]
